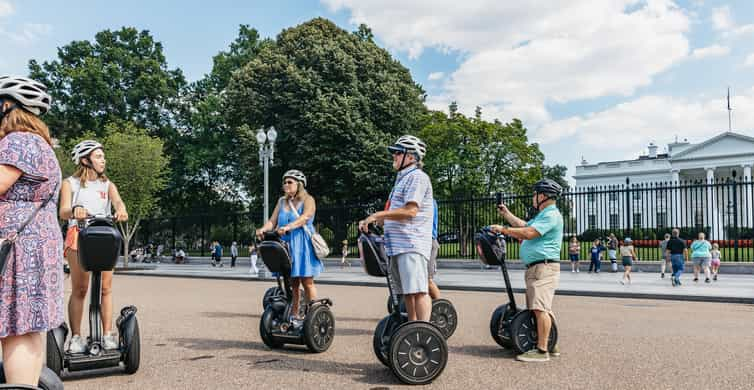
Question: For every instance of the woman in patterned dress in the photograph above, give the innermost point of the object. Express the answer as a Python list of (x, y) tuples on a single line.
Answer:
[(31, 285), (290, 224)]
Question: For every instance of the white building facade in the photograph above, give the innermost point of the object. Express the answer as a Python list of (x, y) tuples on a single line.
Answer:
[(707, 184)]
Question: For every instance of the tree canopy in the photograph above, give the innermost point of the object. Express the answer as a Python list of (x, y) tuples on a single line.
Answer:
[(336, 99)]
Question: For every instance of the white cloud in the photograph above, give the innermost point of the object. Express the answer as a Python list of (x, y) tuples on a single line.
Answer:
[(29, 33), (710, 51), (722, 20), (652, 118), (435, 76), (749, 60), (517, 56), (6, 8)]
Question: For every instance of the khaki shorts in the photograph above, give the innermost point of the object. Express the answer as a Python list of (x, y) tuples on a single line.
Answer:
[(541, 282), (432, 264)]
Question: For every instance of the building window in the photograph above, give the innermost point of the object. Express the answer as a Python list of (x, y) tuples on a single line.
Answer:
[(613, 196), (614, 221), (592, 221), (662, 219), (637, 220), (591, 197), (660, 194), (636, 195)]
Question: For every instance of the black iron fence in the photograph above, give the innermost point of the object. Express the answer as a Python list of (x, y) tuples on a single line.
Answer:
[(722, 209)]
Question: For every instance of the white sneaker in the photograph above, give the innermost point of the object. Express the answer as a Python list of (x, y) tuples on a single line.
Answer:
[(577, 270), (77, 344), (110, 341)]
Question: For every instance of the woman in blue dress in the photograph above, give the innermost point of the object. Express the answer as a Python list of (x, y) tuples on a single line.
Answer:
[(292, 217)]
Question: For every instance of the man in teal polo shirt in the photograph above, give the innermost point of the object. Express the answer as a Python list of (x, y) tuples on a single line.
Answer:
[(542, 238)]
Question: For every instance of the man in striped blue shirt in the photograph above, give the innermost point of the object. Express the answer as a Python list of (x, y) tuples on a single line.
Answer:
[(408, 218)]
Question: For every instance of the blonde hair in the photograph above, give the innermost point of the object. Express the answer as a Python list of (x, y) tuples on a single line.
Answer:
[(24, 121), (301, 193), (83, 172)]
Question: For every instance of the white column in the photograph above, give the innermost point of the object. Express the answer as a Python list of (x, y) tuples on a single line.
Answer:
[(675, 201), (747, 193), (675, 173), (713, 220)]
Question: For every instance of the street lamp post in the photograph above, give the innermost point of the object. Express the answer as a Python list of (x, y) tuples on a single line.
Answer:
[(266, 141)]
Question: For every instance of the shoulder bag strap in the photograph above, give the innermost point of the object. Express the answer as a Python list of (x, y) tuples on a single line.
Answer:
[(34, 214), (295, 212)]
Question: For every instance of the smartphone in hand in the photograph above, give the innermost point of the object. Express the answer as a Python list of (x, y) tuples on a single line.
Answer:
[(498, 199)]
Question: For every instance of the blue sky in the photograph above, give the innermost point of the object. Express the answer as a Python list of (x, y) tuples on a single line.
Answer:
[(593, 79)]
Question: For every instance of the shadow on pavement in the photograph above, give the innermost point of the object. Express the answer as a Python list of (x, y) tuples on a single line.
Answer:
[(215, 344), (224, 314), (484, 351), (368, 373)]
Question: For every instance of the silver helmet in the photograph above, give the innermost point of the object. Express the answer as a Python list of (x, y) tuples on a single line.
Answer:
[(30, 94)]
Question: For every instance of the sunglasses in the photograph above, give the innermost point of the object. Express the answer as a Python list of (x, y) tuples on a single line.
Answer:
[(396, 152)]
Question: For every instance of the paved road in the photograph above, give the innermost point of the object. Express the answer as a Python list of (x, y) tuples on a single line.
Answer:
[(733, 288), (202, 334)]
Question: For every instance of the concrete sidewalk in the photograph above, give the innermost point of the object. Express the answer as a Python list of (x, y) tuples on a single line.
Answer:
[(733, 288)]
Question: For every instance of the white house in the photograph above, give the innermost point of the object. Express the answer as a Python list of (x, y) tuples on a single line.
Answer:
[(687, 186)]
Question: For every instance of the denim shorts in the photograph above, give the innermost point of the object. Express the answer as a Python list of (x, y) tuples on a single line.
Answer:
[(411, 277), (701, 261)]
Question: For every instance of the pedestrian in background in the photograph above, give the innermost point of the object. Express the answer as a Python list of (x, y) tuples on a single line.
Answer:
[(233, 254), (715, 252), (344, 253), (664, 256), (628, 256), (701, 257), (612, 249), (678, 253), (574, 247), (253, 254), (596, 253)]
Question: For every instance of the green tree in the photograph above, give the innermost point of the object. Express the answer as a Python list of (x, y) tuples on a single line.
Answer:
[(558, 173), (473, 157), (470, 157), (204, 173), (121, 75), (337, 100)]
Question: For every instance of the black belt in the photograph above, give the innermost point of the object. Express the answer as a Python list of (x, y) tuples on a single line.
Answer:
[(545, 261)]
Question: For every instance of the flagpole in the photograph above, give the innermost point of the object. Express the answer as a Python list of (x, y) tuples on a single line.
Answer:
[(730, 127)]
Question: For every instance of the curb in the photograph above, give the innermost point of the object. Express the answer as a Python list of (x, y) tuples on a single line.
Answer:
[(578, 293)]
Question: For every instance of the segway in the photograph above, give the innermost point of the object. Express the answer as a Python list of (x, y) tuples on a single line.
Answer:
[(99, 244), (416, 351), (275, 327), (510, 326), (444, 315), (48, 380)]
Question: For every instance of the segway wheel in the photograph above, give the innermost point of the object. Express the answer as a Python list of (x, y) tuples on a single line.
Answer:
[(444, 317), (319, 328), (48, 380), (381, 340), (418, 353), (265, 327), (54, 356), (524, 330), (500, 326), (271, 292), (132, 357)]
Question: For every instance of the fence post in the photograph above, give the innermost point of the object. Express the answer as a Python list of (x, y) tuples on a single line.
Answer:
[(735, 217)]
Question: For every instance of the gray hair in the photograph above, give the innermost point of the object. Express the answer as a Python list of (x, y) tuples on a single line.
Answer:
[(676, 233)]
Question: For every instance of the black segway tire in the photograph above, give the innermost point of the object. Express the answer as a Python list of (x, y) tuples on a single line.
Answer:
[(418, 353), (271, 292), (319, 328), (48, 380), (500, 329), (524, 332), (54, 355), (132, 355), (379, 343), (265, 325), (444, 317)]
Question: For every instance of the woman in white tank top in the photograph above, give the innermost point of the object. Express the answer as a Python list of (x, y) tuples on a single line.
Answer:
[(88, 192)]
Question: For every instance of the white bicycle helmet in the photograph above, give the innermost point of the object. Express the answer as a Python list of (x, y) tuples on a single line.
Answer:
[(295, 174), (31, 95), (83, 149), (410, 144)]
